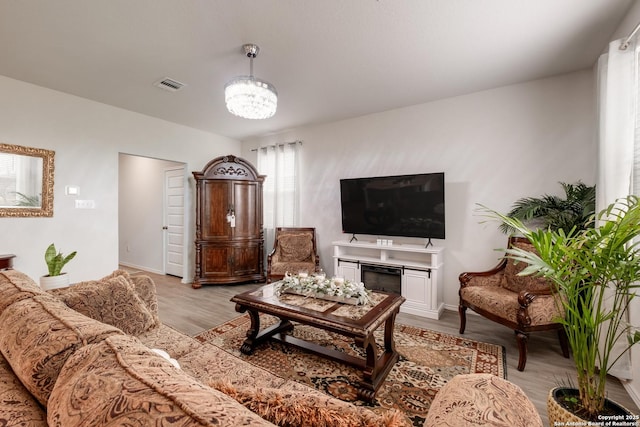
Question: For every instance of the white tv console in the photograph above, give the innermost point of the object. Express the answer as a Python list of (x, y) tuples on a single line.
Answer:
[(421, 278)]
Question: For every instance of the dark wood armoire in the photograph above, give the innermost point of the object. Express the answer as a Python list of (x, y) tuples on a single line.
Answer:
[(229, 235)]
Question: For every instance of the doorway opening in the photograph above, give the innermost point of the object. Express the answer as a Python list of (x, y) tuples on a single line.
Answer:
[(152, 213)]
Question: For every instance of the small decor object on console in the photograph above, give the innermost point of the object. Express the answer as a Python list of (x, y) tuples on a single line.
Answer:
[(318, 286)]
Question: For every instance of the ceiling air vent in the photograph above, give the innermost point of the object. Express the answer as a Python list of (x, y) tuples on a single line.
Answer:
[(169, 84)]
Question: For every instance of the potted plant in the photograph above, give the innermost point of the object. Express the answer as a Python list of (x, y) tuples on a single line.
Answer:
[(55, 262), (576, 209), (596, 271)]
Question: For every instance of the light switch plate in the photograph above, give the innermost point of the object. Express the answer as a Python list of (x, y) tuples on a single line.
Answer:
[(72, 190)]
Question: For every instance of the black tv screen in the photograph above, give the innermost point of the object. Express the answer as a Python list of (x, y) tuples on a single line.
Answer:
[(403, 205)]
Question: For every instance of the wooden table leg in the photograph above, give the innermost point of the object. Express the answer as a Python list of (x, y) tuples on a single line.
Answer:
[(377, 368), (389, 327), (367, 389), (254, 335)]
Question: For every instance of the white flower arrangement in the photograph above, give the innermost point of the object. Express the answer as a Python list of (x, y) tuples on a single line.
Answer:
[(318, 286)]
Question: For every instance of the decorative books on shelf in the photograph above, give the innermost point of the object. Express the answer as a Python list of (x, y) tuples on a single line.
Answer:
[(319, 286)]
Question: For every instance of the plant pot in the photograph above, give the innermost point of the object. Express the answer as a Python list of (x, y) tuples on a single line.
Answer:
[(561, 416), (53, 282)]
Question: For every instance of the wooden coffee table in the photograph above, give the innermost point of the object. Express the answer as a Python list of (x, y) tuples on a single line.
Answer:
[(357, 322)]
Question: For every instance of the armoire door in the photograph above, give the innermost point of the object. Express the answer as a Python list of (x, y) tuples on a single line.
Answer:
[(216, 203), (246, 258), (247, 205), (217, 261)]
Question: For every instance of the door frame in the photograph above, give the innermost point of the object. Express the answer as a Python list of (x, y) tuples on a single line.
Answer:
[(165, 240)]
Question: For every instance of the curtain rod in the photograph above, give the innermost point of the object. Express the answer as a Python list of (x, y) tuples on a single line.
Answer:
[(625, 44), (277, 145)]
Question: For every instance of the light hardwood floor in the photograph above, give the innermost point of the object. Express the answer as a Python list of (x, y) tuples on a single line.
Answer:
[(195, 310)]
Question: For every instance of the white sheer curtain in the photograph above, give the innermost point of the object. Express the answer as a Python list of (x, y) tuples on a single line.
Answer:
[(281, 188), (618, 83), (617, 99), (636, 155)]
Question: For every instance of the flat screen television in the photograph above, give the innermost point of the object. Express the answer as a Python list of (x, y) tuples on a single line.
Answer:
[(402, 205)]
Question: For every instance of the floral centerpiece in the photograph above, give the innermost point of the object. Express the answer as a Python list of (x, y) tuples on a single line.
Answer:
[(319, 286)]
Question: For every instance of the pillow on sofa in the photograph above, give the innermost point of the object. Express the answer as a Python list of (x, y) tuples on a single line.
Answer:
[(144, 287), (111, 300), (119, 382), (38, 336)]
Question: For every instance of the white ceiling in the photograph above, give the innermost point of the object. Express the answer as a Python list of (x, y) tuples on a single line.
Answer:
[(329, 59)]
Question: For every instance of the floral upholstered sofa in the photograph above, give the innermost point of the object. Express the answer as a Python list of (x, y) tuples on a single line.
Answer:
[(96, 354)]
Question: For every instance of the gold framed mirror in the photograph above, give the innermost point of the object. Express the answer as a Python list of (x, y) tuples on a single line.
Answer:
[(26, 181)]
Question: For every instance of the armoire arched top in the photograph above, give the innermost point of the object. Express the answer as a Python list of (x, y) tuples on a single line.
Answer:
[(229, 167)]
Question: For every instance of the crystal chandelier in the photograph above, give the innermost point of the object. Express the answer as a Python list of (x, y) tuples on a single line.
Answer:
[(248, 97)]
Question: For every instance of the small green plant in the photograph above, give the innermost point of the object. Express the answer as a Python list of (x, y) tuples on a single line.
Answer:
[(56, 260)]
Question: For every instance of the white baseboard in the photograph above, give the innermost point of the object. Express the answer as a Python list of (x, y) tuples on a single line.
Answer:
[(183, 280), (633, 393), (141, 267)]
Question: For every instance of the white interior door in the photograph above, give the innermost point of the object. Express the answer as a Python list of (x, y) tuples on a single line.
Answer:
[(174, 221)]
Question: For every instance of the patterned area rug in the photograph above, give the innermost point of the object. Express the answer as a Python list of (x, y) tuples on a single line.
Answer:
[(428, 360)]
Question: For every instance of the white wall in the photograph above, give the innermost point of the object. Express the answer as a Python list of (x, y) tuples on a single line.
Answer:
[(141, 212), (87, 137), (494, 146)]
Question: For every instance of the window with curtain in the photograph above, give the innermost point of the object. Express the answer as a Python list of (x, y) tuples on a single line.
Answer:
[(618, 136), (636, 146), (281, 195)]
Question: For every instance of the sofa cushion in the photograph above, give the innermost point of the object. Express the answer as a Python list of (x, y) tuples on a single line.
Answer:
[(38, 336), (294, 407), (170, 340), (111, 300), (119, 382), (515, 283), (210, 363), (17, 405), (16, 286)]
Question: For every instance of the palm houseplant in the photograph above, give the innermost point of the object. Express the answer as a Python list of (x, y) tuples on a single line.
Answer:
[(576, 209), (596, 271), (55, 262)]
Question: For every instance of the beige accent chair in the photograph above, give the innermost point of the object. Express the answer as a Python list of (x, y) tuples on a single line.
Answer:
[(522, 303), (294, 251)]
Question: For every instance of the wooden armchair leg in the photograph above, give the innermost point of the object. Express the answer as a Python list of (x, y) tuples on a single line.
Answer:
[(564, 343), (462, 310), (522, 338)]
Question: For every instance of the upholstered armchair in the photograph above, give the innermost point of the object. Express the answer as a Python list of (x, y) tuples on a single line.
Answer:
[(294, 250), (522, 303)]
